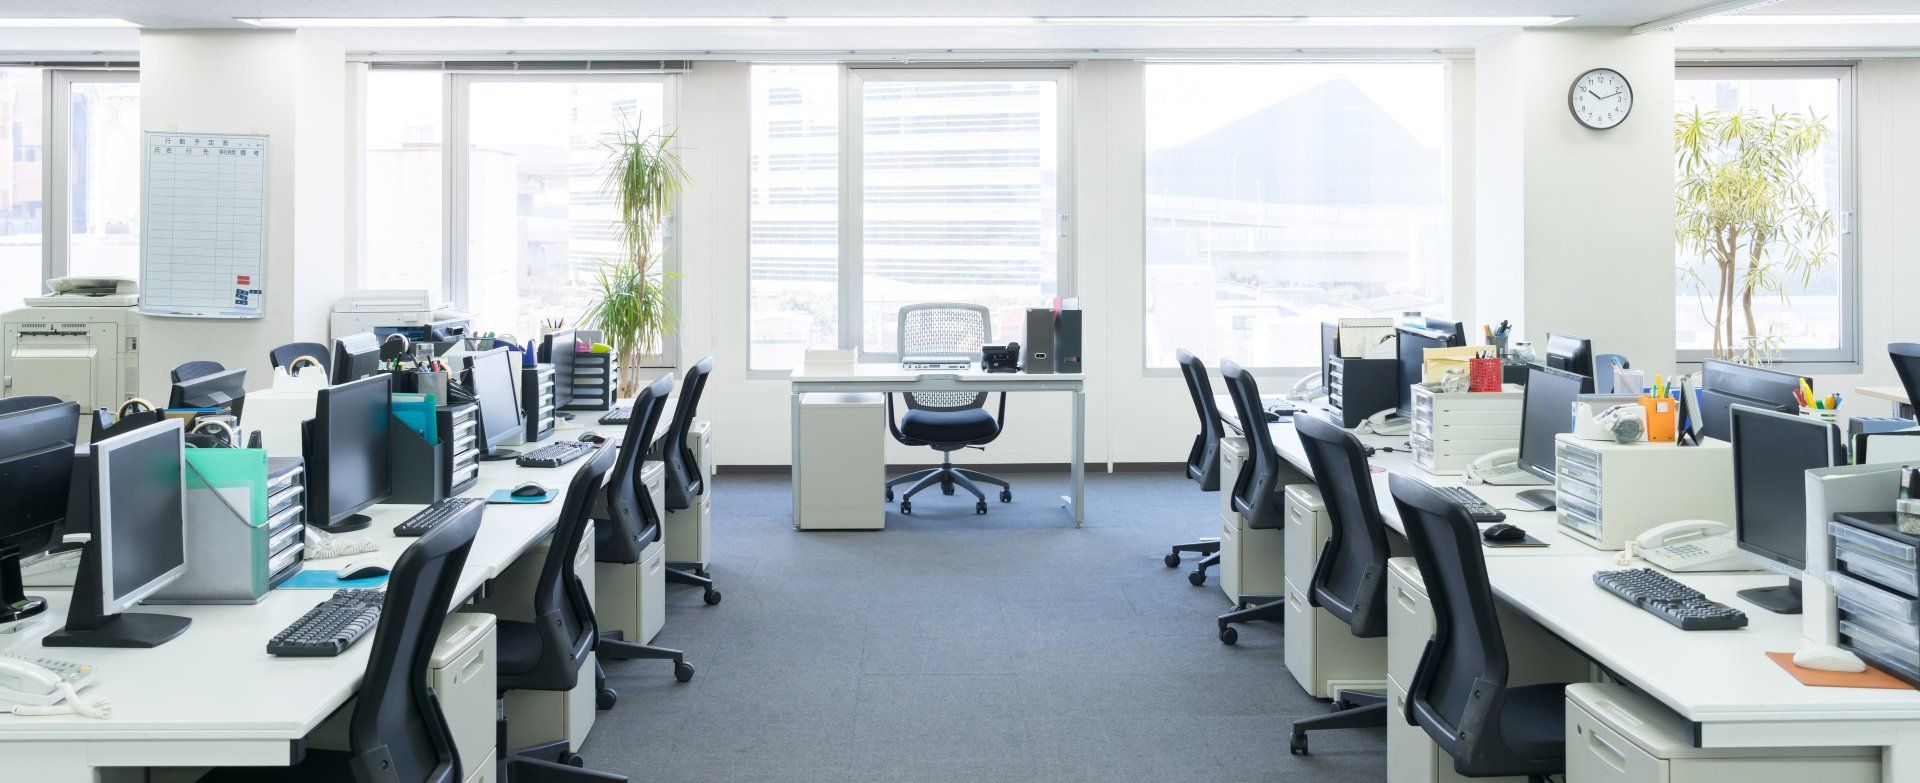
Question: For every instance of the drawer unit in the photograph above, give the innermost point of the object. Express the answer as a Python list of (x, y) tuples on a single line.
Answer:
[(1412, 757), (1875, 584), (1358, 388), (1609, 493), (631, 597), (1252, 562), (688, 530), (1615, 735), (840, 484), (537, 401), (1308, 527), (1233, 457), (595, 379), (1452, 430), (460, 446), (462, 674), (1536, 655), (541, 716), (1322, 653)]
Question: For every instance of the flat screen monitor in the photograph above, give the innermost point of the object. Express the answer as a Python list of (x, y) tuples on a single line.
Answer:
[(1725, 384), (1456, 332), (494, 381), (1545, 412), (139, 541), (1412, 356), (347, 453), (36, 473), (1772, 453), (1573, 354), (355, 356), (556, 348), (225, 391), (1329, 347)]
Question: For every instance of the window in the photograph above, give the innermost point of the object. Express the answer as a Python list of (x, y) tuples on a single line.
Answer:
[(1282, 195), (69, 180), (960, 178), (21, 105), (1803, 306), (406, 150)]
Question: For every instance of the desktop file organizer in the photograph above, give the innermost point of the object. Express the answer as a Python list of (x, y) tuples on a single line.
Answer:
[(1876, 583), (1610, 493), (246, 515), (1451, 430), (536, 397), (1358, 388), (596, 376), (459, 446)]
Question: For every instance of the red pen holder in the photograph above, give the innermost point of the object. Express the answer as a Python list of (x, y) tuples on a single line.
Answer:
[(1483, 375)]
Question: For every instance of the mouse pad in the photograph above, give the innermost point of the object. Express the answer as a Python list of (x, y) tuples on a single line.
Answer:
[(1871, 678), (506, 496), (1522, 543), (317, 578)]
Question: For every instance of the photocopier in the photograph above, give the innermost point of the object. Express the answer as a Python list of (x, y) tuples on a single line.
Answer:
[(408, 312), (80, 343)]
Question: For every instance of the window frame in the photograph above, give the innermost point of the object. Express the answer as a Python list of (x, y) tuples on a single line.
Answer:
[(1845, 359), (56, 160)]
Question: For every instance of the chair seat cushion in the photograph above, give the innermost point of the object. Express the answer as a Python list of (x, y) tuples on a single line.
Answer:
[(969, 425), (1533, 721), (519, 647)]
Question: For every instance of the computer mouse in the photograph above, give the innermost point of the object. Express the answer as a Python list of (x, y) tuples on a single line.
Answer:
[(592, 437), (356, 570), (531, 489), (1503, 532), (1827, 658)]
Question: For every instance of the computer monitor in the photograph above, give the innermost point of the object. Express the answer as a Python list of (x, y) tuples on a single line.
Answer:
[(1329, 346), (494, 381), (1772, 453), (36, 471), (347, 458), (139, 541), (355, 356), (1725, 384), (1414, 343), (556, 348), (1573, 354), (225, 391), (1546, 410)]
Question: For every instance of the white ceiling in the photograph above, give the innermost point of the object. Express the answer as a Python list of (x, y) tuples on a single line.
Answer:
[(1171, 36)]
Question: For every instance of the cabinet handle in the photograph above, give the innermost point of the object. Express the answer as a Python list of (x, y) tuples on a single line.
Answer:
[(473, 667), (1606, 752), (1400, 596)]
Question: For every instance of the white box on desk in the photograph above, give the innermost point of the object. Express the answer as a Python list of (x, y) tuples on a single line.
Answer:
[(1610, 493), (1451, 430)]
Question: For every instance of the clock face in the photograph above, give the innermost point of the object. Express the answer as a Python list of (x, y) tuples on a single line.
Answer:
[(1600, 98)]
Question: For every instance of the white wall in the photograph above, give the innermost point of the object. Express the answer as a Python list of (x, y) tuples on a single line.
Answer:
[(1887, 121)]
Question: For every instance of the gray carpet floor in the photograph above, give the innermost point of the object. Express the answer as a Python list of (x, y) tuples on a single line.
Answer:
[(956, 647)]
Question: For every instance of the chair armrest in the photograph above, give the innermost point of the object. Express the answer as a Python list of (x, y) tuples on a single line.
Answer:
[(893, 425)]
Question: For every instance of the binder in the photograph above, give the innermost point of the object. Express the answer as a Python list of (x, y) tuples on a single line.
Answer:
[(1066, 342), (1039, 343)]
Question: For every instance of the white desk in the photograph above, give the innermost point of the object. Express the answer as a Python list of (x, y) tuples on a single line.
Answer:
[(1902, 406), (893, 379)]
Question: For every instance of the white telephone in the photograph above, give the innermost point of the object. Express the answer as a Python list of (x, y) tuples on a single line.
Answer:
[(1691, 545), (1501, 468), (1308, 388), (1384, 423), (37, 686)]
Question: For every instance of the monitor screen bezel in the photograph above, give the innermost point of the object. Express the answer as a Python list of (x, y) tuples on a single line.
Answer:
[(102, 452), (473, 361), (1761, 556), (1534, 372)]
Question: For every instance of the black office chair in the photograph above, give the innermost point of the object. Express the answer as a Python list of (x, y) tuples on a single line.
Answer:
[(1259, 492), (1203, 461), (1459, 693), (398, 733), (683, 482), (548, 653), (624, 525), (1350, 576), (285, 354), (26, 402), (946, 421), (188, 371), (1906, 362)]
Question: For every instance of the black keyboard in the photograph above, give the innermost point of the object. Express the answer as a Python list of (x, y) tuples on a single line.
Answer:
[(1481, 511), (330, 628), (1681, 606), (618, 415), (554, 455), (431, 516)]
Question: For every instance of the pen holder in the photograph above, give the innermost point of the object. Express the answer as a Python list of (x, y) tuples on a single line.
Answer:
[(1819, 413), (433, 383), (1499, 343), (1663, 417), (1483, 375)]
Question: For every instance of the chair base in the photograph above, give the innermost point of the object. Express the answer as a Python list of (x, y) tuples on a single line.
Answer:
[(693, 574), (612, 647), (1205, 546), (948, 477), (548, 762), (1354, 710), (1275, 610)]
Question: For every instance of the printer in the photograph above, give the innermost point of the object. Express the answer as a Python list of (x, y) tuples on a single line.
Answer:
[(408, 311), (79, 343)]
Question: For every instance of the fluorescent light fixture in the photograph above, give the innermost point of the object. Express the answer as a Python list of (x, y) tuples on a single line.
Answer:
[(905, 21), (76, 21), (1820, 19)]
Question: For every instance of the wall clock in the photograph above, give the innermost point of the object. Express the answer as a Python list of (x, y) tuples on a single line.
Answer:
[(1600, 98)]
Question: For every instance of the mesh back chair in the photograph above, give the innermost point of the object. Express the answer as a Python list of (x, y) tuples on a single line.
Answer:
[(1906, 361), (625, 524), (1459, 693), (683, 482), (284, 355), (1203, 460), (1259, 491), (946, 421), (397, 733), (188, 371), (1350, 576), (26, 402)]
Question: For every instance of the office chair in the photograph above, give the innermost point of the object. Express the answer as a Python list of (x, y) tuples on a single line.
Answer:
[(548, 653), (947, 421), (1906, 362), (1459, 693), (1258, 493), (26, 402), (683, 482), (1350, 576), (285, 354), (397, 734), (624, 526), (188, 371), (1203, 461)]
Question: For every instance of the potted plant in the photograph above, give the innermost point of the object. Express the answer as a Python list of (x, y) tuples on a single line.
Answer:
[(631, 306), (1746, 216)]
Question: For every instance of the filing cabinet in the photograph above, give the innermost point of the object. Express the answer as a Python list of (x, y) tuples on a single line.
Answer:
[(1319, 649), (1616, 735)]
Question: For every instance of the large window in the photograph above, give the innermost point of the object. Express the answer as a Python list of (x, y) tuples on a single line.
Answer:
[(22, 208), (1283, 195), (406, 151), (69, 179), (959, 175), (1801, 307)]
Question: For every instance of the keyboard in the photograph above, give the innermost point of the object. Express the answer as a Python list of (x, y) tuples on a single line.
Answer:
[(431, 516), (619, 415), (330, 628), (1681, 606), (1481, 511), (554, 455)]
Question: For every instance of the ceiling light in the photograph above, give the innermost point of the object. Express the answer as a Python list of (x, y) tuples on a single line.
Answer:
[(905, 21), (86, 21), (1788, 19)]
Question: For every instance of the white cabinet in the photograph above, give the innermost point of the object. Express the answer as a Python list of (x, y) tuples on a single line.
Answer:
[(842, 472), (534, 717), (1412, 757), (1616, 735), (689, 530), (1610, 493), (1252, 562), (463, 674), (1319, 649), (1534, 654), (1233, 455), (1453, 429), (631, 597)]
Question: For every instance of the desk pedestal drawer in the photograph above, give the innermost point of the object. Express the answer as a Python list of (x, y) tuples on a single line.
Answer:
[(1536, 655), (1615, 735), (1322, 653), (485, 771), (1233, 455), (1251, 561), (463, 673), (1413, 758)]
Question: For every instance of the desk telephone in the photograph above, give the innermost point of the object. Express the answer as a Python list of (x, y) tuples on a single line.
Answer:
[(1691, 545), (1501, 468), (37, 686), (1308, 387)]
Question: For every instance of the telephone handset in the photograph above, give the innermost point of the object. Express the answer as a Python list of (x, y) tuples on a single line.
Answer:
[(1501, 468), (38, 686), (1691, 545), (1308, 387), (1383, 423)]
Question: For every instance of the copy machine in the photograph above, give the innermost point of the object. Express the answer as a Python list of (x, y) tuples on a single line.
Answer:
[(79, 343), (410, 312)]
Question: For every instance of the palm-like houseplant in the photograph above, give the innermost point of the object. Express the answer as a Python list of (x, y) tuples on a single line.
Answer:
[(631, 306)]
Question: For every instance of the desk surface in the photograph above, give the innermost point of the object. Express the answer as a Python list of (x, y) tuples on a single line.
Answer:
[(1888, 393), (892, 372)]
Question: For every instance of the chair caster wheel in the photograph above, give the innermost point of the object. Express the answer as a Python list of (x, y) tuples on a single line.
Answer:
[(889, 494), (1297, 745), (1197, 578), (712, 597), (703, 573), (906, 507), (946, 489), (605, 699), (1228, 635), (980, 507), (683, 671), (1172, 560), (1006, 496), (573, 760)]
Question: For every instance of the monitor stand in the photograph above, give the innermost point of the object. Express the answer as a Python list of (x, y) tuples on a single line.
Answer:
[(346, 524), (89, 625), (498, 455), (15, 604), (1539, 499), (1784, 599)]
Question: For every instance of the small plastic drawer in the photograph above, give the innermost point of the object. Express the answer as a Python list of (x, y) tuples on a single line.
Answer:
[(1565, 485), (1871, 642), (1575, 505), (1898, 607), (1570, 455), (1894, 552), (1890, 627), (1585, 474), (1865, 563)]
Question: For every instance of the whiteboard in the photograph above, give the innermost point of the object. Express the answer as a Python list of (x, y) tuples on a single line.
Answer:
[(203, 235)]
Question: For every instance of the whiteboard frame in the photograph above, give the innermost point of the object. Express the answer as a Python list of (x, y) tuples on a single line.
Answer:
[(254, 312)]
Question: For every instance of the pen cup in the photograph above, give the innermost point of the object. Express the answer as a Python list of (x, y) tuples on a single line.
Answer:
[(433, 383), (1483, 375), (1823, 415), (1499, 343), (1663, 418)]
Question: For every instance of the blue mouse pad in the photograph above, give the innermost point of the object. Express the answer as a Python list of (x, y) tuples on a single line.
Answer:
[(506, 496), (316, 578)]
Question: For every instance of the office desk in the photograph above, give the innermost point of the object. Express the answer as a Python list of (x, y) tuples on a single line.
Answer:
[(1902, 406), (894, 379)]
